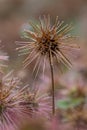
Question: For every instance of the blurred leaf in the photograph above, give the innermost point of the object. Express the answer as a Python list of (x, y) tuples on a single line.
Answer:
[(63, 104), (77, 101), (69, 103)]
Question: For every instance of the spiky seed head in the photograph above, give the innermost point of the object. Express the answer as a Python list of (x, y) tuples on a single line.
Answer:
[(46, 39), (11, 95), (38, 102)]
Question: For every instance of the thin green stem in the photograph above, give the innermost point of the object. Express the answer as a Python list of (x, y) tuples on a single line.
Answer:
[(52, 80)]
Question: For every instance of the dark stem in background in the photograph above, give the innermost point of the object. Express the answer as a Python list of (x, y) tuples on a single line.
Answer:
[(52, 80)]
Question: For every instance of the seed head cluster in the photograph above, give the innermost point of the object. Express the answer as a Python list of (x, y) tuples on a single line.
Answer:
[(18, 103)]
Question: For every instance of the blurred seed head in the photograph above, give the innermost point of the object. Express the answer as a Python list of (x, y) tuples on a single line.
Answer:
[(39, 103), (77, 112), (11, 95)]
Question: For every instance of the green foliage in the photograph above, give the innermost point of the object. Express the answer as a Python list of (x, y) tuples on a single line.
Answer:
[(69, 103)]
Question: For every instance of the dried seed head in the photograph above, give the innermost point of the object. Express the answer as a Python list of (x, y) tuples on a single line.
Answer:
[(11, 95), (39, 103), (45, 39)]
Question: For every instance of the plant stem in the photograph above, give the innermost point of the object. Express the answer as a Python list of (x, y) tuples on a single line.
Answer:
[(52, 80)]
